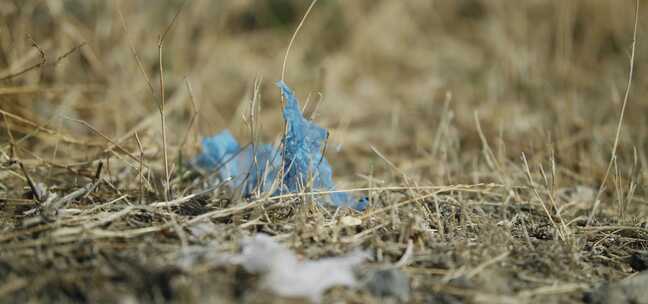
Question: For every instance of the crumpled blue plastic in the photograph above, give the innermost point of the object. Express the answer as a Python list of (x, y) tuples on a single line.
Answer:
[(255, 168), (217, 151), (247, 168)]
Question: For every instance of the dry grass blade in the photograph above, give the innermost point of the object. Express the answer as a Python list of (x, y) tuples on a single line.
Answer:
[(38, 128), (617, 135), (108, 139), (43, 61)]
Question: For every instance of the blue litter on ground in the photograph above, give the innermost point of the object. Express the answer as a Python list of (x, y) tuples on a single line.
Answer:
[(256, 167), (247, 167)]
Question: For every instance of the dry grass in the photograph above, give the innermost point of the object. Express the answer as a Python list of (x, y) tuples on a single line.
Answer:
[(481, 132)]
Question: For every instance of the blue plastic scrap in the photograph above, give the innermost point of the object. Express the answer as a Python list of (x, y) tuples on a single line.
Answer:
[(256, 167), (216, 151), (247, 167)]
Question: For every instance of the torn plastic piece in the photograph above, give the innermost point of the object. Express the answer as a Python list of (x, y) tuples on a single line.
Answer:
[(304, 164), (261, 164), (248, 168), (256, 167), (284, 274), (217, 151)]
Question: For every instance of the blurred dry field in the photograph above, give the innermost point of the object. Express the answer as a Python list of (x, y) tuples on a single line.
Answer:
[(481, 131)]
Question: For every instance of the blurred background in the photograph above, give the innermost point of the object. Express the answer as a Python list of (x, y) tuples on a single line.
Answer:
[(415, 80)]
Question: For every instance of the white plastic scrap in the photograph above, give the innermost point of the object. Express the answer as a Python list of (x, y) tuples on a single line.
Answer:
[(284, 274)]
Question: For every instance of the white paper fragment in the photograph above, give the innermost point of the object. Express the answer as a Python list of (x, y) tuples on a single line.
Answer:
[(284, 274)]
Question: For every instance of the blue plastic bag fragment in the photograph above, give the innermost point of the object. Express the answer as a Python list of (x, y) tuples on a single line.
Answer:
[(256, 167), (217, 151), (304, 164), (252, 168)]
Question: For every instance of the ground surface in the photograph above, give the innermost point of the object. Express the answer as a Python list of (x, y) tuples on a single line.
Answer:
[(481, 131)]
